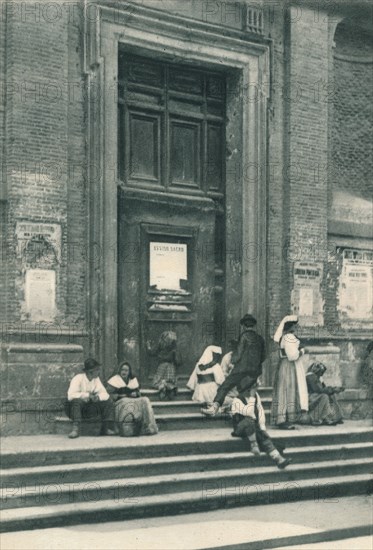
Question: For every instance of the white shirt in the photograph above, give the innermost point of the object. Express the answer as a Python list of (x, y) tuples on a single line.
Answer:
[(290, 344), (81, 388), (238, 407)]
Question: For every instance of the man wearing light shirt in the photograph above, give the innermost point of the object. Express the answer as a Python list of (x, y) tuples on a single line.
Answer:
[(88, 399)]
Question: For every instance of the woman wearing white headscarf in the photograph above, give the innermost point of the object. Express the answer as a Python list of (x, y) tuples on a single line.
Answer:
[(207, 375), (290, 396)]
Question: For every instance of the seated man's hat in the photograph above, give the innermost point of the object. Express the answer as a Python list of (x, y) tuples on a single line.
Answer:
[(90, 364)]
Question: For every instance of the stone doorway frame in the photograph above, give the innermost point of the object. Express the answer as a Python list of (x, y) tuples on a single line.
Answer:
[(193, 41)]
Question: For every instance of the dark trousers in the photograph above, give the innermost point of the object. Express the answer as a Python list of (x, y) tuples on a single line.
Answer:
[(236, 379), (248, 426), (79, 410)]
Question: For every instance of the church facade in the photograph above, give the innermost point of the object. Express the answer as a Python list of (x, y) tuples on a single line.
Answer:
[(173, 165)]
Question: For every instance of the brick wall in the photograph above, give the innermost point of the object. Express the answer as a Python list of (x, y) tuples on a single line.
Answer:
[(277, 169), (352, 159), (352, 150), (77, 218), (45, 168), (307, 129), (36, 136)]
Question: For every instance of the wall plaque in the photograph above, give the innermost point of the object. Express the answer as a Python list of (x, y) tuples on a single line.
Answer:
[(306, 296), (40, 294), (356, 287), (26, 232), (168, 265)]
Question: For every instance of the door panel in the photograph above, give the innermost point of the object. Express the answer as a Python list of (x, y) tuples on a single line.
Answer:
[(146, 309)]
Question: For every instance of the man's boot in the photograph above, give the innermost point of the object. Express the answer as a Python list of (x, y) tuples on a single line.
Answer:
[(211, 409), (75, 431), (281, 461)]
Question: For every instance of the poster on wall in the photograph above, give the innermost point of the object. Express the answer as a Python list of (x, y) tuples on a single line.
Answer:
[(40, 294), (306, 296), (356, 288), (168, 265)]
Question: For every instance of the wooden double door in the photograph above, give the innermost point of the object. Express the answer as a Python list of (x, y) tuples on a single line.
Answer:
[(171, 229)]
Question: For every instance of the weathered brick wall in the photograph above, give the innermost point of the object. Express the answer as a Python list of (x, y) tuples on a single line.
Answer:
[(45, 152), (3, 209), (352, 150), (45, 168), (308, 137), (277, 304), (350, 177), (77, 211), (36, 136)]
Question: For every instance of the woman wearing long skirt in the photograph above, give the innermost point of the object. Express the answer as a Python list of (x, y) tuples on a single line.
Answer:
[(133, 413), (323, 406), (290, 396)]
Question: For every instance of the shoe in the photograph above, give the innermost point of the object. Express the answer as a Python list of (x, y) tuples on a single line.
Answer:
[(304, 419), (282, 465), (211, 410), (285, 426), (162, 394), (74, 432), (107, 431), (233, 434)]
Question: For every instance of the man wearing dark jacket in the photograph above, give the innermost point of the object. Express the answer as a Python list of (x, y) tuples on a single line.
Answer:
[(247, 361)]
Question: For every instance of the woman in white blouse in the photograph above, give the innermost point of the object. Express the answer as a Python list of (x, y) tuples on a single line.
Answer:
[(290, 396), (133, 413)]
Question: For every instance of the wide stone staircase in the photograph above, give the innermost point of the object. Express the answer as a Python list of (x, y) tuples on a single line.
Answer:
[(179, 414), (51, 481)]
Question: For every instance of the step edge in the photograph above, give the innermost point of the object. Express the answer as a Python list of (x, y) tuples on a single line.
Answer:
[(76, 466), (163, 479), (108, 503)]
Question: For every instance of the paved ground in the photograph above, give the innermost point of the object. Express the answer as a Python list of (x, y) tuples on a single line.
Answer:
[(240, 526)]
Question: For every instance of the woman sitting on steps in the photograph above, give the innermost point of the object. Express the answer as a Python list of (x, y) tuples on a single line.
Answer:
[(133, 413)]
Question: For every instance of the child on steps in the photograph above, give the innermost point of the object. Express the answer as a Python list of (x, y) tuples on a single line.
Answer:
[(249, 421)]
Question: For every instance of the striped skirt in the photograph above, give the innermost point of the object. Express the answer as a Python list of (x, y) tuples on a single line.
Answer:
[(285, 400)]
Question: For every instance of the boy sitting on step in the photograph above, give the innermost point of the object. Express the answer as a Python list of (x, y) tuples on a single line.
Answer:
[(249, 421)]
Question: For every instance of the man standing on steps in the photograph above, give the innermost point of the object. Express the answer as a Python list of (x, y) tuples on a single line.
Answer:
[(247, 360)]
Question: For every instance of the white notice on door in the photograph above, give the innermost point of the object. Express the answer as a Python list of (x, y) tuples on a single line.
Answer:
[(168, 265), (40, 294)]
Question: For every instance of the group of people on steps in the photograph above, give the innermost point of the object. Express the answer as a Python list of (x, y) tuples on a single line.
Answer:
[(220, 383)]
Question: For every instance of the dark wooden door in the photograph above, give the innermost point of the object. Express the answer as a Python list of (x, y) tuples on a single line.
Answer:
[(171, 209)]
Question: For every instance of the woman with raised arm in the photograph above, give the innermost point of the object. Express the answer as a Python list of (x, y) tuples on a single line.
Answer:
[(290, 396)]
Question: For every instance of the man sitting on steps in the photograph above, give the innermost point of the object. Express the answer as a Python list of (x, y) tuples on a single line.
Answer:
[(88, 399)]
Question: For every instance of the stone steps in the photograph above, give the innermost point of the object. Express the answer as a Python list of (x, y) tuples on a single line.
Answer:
[(181, 413), (169, 444), (126, 469), (136, 488), (104, 479), (223, 496)]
